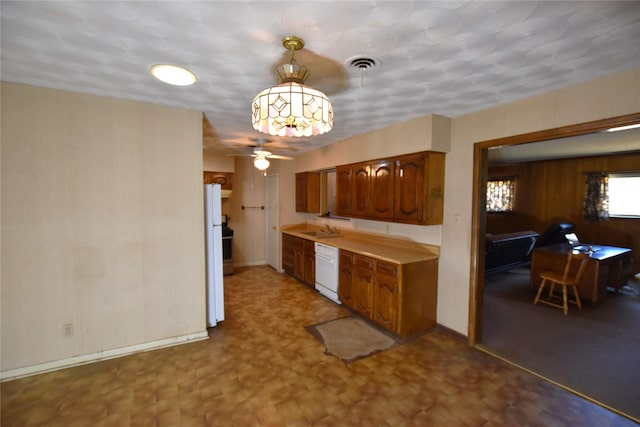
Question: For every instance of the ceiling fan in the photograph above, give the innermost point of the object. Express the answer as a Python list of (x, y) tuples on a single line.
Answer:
[(263, 155)]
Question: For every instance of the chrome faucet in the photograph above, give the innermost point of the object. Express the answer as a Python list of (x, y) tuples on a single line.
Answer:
[(331, 230)]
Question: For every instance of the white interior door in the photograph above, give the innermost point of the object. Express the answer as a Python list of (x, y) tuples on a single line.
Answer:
[(272, 221)]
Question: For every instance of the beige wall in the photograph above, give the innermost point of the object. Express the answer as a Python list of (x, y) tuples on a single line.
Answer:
[(249, 226), (216, 162), (102, 209), (102, 225)]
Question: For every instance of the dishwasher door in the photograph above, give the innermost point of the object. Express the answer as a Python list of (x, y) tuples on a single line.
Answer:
[(327, 270)]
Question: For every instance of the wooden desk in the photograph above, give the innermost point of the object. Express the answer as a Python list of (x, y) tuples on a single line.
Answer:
[(605, 268)]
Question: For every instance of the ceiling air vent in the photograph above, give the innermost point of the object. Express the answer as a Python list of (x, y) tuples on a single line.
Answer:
[(362, 63)]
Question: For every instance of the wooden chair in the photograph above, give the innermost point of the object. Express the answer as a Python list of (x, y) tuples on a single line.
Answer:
[(564, 279)]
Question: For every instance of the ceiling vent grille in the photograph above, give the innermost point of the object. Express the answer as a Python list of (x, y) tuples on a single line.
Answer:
[(362, 63)]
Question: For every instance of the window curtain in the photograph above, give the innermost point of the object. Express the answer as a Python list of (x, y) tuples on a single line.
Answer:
[(500, 194), (596, 197)]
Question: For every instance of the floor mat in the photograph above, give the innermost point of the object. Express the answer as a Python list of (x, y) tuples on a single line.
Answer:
[(351, 339)]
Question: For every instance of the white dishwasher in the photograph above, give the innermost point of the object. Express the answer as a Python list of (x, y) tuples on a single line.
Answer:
[(327, 270)]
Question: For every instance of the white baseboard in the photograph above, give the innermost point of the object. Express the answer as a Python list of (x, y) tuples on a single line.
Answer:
[(41, 368), (250, 264), (257, 264)]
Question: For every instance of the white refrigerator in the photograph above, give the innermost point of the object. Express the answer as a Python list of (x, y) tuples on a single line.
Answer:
[(213, 233)]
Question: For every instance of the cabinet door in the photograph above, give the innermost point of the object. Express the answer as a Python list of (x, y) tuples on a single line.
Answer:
[(361, 194), (343, 190), (385, 300), (308, 192), (346, 278), (222, 178), (382, 189), (309, 262), (363, 286), (434, 188), (288, 253), (301, 192), (298, 258), (409, 181)]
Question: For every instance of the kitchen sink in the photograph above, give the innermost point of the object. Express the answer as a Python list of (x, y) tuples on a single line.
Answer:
[(320, 234)]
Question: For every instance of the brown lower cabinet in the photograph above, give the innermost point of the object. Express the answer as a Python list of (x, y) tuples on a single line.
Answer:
[(385, 310), (288, 248), (299, 258), (401, 298), (309, 253), (363, 287)]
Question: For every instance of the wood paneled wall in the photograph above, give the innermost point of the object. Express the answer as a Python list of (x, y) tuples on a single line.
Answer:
[(552, 191)]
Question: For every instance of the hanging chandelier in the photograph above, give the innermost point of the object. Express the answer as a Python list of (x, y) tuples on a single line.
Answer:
[(291, 108)]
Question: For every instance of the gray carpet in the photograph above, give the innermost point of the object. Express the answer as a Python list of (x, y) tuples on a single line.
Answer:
[(594, 351)]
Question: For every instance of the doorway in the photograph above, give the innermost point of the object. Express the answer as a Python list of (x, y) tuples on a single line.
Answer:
[(272, 222), (545, 364), (478, 220)]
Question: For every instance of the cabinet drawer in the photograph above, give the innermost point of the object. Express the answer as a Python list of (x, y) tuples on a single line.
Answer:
[(364, 262), (346, 258), (387, 268)]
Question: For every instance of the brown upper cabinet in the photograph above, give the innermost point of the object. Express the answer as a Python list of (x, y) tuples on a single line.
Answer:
[(308, 192), (365, 190), (382, 189), (361, 194), (408, 189), (222, 178)]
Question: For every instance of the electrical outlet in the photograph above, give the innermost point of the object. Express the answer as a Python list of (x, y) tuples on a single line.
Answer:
[(67, 329)]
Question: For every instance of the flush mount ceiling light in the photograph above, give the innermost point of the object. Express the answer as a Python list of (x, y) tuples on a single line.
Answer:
[(173, 75), (619, 128), (292, 108)]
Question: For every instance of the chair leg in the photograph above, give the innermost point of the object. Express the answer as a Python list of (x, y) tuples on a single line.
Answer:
[(540, 288), (552, 291), (575, 293), (565, 301)]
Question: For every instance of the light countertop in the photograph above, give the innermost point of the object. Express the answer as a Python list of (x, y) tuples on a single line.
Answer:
[(386, 248)]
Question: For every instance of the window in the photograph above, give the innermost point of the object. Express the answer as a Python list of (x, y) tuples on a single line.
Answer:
[(500, 194), (624, 189), (328, 208)]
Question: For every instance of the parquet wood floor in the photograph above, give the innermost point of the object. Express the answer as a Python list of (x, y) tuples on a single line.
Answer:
[(260, 367)]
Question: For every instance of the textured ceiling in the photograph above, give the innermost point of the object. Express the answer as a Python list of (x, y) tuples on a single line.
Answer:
[(447, 58)]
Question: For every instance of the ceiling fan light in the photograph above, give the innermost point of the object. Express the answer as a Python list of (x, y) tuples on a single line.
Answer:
[(261, 163)]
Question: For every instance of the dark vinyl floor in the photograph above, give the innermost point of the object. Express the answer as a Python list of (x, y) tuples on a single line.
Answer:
[(260, 367)]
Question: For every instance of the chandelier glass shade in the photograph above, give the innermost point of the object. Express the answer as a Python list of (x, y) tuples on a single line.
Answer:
[(291, 108), (261, 163)]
